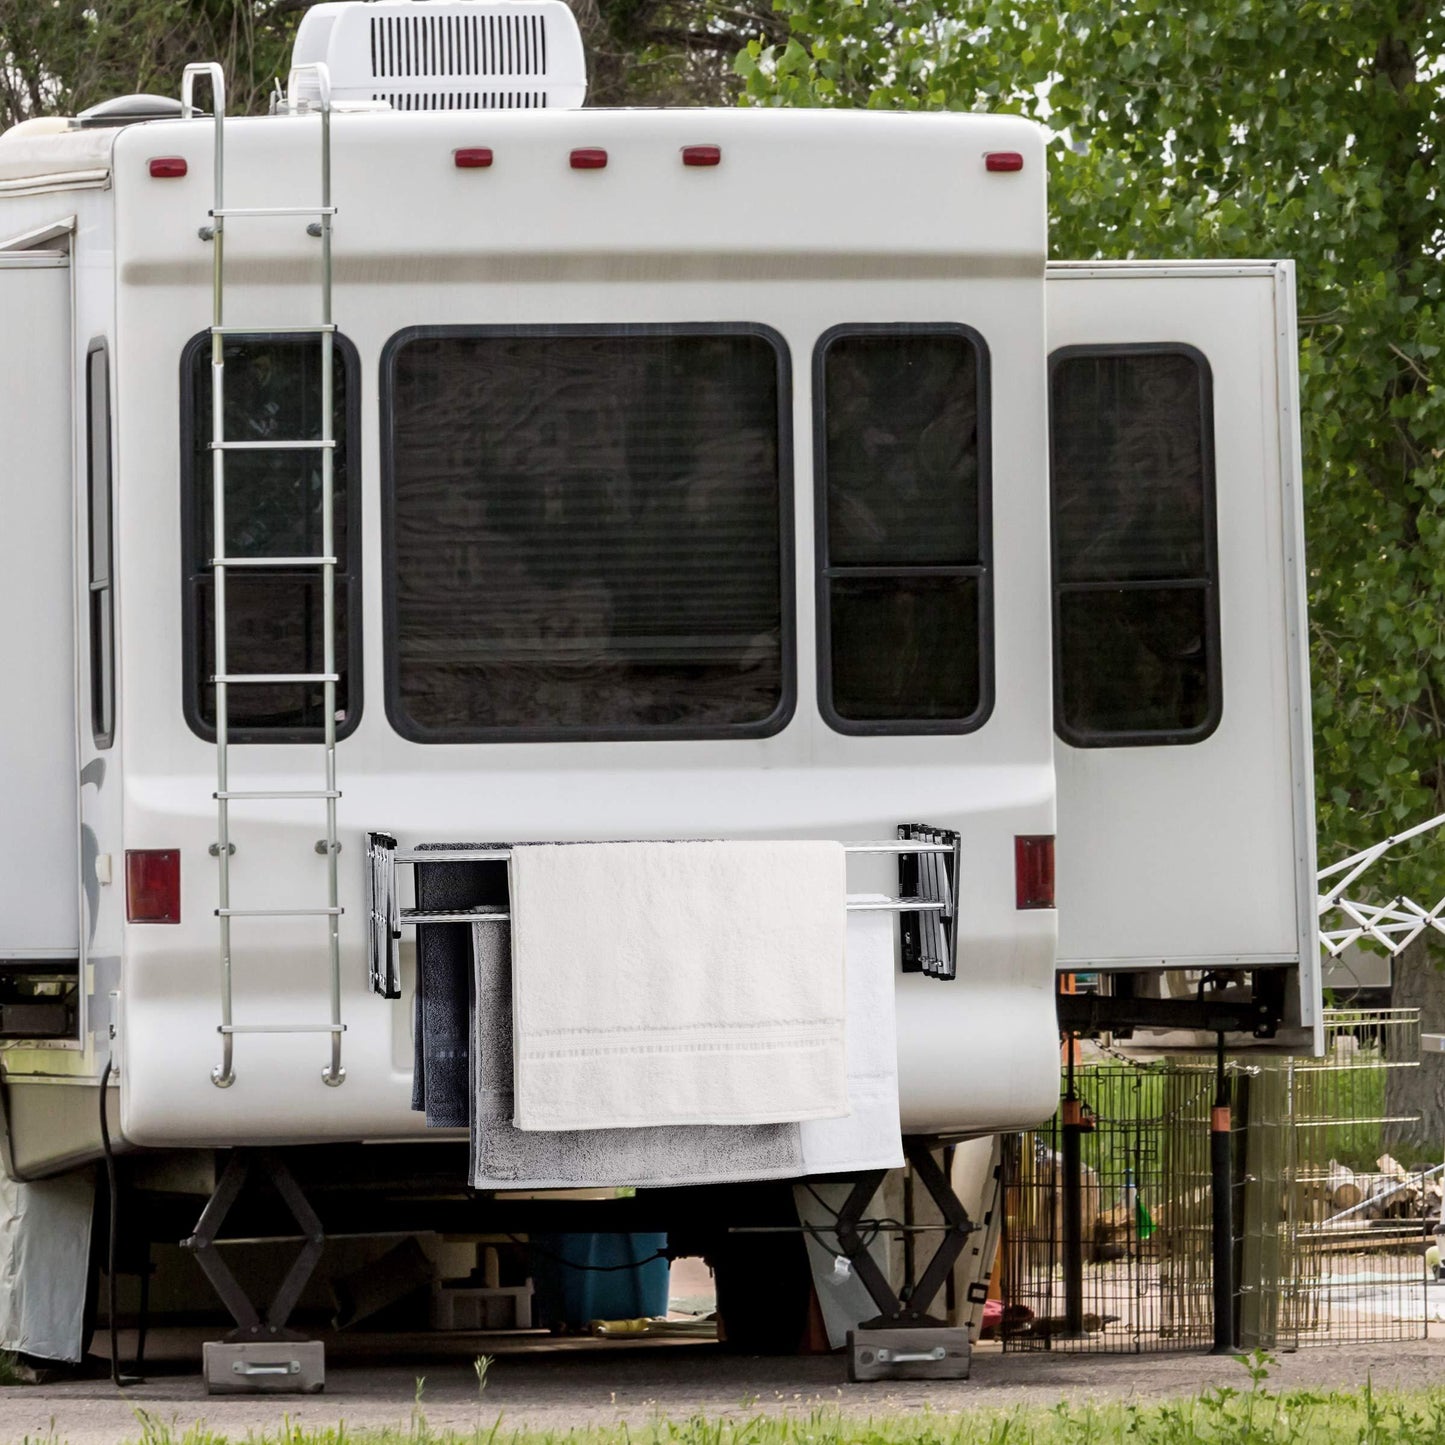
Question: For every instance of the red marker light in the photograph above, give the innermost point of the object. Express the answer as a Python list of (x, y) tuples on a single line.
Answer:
[(588, 158), (472, 158), (1034, 871), (702, 155), (167, 168), (153, 885), (1003, 161)]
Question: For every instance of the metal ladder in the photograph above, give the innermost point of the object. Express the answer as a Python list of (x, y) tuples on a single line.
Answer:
[(223, 1075)]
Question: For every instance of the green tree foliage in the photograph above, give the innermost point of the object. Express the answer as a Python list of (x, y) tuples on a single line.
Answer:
[(670, 52), (1231, 128), (59, 56)]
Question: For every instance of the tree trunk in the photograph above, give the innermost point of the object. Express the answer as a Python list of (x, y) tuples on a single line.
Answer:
[(1419, 982)]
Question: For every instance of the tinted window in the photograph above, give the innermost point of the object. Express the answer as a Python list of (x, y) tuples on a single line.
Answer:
[(102, 595), (1136, 642), (273, 510), (588, 534), (901, 438)]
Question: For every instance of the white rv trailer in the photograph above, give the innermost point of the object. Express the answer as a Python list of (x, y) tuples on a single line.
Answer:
[(691, 478)]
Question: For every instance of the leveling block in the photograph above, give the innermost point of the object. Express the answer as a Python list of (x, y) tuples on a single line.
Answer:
[(280, 1367), (927, 1354)]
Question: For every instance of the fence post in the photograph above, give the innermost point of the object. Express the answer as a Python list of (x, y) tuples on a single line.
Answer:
[(1073, 1201), (1222, 1192)]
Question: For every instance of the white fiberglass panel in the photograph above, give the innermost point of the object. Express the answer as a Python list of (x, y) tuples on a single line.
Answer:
[(1199, 852), (867, 220), (39, 897)]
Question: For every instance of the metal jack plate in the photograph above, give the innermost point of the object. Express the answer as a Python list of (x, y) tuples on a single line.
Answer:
[(285, 1367), (260, 1355), (932, 1353)]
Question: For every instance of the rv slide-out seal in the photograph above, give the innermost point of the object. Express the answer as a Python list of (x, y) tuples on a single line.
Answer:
[(100, 488), (780, 716), (1213, 661), (983, 570), (350, 570)]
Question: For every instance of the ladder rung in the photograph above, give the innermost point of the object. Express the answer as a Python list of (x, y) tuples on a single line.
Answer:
[(263, 677), (272, 561), (319, 793), (315, 330), (288, 446), (281, 1029), (275, 211), (456, 915), (279, 912), (896, 905)]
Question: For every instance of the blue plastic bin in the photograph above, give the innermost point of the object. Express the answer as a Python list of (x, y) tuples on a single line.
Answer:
[(567, 1292)]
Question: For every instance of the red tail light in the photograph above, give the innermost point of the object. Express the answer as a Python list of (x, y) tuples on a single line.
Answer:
[(153, 885), (167, 168), (472, 158), (702, 155), (1003, 161), (588, 158), (1034, 871)]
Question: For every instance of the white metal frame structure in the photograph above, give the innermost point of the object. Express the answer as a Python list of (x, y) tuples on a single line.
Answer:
[(1394, 924)]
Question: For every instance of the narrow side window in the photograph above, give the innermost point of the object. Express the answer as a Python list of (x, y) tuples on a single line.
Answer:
[(904, 589), (1136, 604), (98, 511), (273, 531)]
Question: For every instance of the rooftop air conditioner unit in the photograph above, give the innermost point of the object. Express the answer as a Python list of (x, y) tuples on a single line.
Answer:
[(446, 54)]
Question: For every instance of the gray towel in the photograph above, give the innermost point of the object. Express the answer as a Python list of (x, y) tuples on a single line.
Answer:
[(505, 1157)]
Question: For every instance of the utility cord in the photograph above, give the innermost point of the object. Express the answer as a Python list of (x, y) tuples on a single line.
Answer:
[(119, 1380)]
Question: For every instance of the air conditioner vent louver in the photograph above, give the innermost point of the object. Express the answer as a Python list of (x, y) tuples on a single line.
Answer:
[(429, 55), (465, 100), (458, 45)]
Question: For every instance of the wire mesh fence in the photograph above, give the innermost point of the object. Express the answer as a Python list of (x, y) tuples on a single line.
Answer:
[(1330, 1231), (1356, 1223)]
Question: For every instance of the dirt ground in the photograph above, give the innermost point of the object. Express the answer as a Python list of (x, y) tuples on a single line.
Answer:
[(554, 1385)]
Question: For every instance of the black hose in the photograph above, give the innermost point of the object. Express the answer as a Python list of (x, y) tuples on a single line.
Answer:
[(119, 1380)]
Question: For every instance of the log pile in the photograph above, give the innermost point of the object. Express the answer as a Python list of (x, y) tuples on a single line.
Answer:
[(1342, 1199), (1389, 1192)]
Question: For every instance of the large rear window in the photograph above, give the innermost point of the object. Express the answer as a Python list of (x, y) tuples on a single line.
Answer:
[(587, 533)]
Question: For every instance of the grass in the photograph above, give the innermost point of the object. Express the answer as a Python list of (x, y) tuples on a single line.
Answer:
[(1251, 1415)]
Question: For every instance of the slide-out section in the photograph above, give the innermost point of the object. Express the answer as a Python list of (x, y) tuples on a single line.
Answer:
[(39, 938), (1181, 699)]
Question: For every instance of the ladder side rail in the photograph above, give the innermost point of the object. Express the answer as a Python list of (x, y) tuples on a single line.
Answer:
[(334, 1073), (223, 1075)]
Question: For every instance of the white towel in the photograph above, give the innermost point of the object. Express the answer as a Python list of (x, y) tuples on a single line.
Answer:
[(870, 1137), (678, 983)]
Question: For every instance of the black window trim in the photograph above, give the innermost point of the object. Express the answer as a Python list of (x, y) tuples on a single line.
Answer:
[(351, 571), (102, 644), (983, 570), (1208, 584), (766, 727)]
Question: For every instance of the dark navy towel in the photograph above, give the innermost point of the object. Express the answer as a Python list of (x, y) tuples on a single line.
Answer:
[(441, 1081)]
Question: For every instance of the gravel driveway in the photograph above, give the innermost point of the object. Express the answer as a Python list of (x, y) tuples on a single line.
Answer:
[(559, 1385)]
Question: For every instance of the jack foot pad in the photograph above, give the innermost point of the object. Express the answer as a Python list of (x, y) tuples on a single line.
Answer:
[(285, 1367), (923, 1354)]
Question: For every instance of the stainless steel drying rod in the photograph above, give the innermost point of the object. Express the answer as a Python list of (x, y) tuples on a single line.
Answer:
[(501, 855), (387, 918)]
